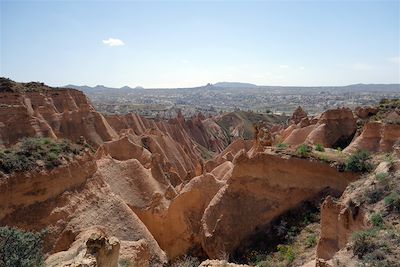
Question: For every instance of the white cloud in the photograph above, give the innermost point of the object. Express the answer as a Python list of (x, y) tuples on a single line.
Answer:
[(113, 42), (301, 67), (395, 60), (283, 66), (362, 66)]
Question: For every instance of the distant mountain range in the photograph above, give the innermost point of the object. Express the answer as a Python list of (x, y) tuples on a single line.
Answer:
[(235, 85), (101, 88), (238, 85)]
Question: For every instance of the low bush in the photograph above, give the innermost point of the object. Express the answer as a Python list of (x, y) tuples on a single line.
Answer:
[(19, 248), (281, 146), (311, 241), (382, 176), (186, 261), (363, 242), (303, 150), (33, 152), (392, 201), (286, 252), (377, 220), (374, 194), (359, 162), (319, 147), (125, 263)]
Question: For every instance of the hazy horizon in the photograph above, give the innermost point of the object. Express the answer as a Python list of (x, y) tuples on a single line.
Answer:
[(189, 44), (200, 85)]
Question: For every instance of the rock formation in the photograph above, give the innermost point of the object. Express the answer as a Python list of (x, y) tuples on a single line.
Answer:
[(256, 193), (298, 115), (376, 137), (92, 247), (333, 128), (365, 112), (62, 113), (148, 195), (23, 189)]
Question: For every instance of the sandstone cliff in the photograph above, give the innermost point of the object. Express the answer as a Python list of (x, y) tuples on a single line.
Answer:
[(333, 128), (45, 111)]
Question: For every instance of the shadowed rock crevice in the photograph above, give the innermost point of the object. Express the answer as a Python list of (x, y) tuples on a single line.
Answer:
[(265, 239)]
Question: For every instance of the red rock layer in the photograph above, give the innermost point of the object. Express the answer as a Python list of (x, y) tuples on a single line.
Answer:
[(331, 129), (376, 137), (58, 113)]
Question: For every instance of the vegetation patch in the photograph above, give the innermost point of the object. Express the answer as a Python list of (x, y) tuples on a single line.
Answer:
[(319, 147), (377, 220), (31, 153), (289, 240), (377, 246), (186, 261), (125, 263), (19, 248), (303, 150), (392, 202), (382, 176), (359, 162), (363, 242), (281, 146), (311, 240), (385, 107)]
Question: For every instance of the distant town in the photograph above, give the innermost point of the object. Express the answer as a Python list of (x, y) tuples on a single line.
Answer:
[(212, 99)]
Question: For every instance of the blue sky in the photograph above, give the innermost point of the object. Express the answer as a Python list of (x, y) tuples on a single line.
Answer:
[(177, 44)]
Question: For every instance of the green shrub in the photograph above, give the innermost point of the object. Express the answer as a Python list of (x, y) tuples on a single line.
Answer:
[(374, 194), (392, 201), (125, 263), (359, 162), (324, 158), (303, 150), (186, 261), (311, 241), (363, 242), (19, 248), (30, 152), (286, 252), (377, 220), (281, 146), (381, 177), (319, 147)]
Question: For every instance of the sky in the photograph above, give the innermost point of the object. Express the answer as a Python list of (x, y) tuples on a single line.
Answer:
[(191, 43)]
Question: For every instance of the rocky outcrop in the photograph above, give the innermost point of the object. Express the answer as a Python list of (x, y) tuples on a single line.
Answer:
[(298, 115), (255, 194), (19, 190), (170, 140), (338, 222), (333, 128), (135, 184), (240, 124), (70, 213), (92, 247), (218, 138), (136, 253), (182, 219), (376, 137), (56, 113), (124, 149), (228, 154), (365, 112), (349, 214)]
